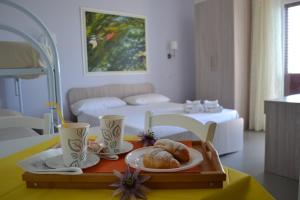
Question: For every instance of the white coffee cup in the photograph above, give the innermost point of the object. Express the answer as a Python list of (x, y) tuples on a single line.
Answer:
[(111, 131), (73, 139)]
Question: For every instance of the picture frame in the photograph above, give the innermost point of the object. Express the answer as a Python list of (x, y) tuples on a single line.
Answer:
[(113, 43)]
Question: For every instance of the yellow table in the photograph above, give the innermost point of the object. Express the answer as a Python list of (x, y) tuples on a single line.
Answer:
[(238, 186)]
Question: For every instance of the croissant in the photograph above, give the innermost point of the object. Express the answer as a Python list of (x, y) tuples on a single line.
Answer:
[(177, 149), (160, 159)]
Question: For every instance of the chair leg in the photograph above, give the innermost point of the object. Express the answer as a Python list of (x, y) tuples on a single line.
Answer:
[(47, 124), (148, 117)]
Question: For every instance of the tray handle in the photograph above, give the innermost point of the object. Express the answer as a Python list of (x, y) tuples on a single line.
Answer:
[(210, 154), (213, 155)]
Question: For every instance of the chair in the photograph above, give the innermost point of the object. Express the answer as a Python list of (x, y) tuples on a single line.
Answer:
[(204, 131), (27, 122)]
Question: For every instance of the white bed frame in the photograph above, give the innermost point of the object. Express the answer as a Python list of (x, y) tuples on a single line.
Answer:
[(229, 136), (51, 68)]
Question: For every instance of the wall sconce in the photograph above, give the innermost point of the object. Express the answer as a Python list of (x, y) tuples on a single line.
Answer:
[(173, 46)]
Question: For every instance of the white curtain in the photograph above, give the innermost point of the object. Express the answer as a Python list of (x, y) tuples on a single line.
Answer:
[(267, 71)]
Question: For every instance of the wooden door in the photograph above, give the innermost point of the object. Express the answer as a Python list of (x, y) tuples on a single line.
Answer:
[(207, 80), (215, 64), (225, 53)]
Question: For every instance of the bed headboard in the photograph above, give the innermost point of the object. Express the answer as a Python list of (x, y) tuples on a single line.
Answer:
[(113, 90)]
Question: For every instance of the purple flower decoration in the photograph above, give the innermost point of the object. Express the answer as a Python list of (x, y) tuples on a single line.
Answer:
[(148, 138), (130, 185)]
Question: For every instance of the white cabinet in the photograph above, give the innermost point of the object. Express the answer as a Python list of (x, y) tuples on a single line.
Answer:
[(222, 48)]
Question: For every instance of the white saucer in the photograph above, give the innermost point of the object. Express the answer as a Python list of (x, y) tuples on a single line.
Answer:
[(58, 162), (126, 147)]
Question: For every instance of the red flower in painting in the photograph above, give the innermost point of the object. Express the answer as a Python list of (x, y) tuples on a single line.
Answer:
[(110, 36)]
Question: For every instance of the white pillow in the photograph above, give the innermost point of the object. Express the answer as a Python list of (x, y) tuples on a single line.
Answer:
[(144, 99), (100, 103)]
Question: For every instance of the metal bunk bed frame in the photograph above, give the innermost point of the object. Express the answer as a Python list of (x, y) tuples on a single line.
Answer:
[(52, 69)]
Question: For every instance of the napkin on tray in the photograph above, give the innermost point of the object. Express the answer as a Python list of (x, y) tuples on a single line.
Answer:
[(36, 164)]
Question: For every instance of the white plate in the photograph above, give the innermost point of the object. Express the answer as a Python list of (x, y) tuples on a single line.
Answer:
[(126, 147), (135, 160), (58, 162)]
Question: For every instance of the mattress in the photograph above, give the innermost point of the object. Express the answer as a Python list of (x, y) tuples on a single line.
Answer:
[(6, 113), (18, 55), (14, 133), (135, 117)]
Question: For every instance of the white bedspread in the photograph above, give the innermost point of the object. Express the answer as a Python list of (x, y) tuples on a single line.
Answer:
[(135, 116), (14, 133)]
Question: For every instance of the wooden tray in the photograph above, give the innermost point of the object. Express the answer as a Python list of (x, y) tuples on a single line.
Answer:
[(210, 175)]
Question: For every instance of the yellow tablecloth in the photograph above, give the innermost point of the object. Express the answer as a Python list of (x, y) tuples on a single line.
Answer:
[(238, 186)]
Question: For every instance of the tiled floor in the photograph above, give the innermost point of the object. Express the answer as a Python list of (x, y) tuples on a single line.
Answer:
[(251, 161)]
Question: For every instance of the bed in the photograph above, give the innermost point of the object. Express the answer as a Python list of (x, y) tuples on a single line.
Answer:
[(29, 55), (229, 131), (14, 133), (15, 54)]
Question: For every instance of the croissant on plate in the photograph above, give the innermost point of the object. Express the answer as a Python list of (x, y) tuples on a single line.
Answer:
[(158, 158), (177, 149)]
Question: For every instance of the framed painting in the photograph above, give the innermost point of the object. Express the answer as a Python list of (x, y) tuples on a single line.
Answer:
[(113, 42)]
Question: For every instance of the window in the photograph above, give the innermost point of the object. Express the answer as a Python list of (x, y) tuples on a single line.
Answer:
[(292, 48), (293, 38)]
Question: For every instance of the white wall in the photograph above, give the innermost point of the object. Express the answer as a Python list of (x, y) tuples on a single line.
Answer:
[(166, 20)]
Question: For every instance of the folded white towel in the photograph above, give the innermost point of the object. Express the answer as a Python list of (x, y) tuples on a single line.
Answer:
[(213, 110), (211, 104), (193, 106), (207, 106)]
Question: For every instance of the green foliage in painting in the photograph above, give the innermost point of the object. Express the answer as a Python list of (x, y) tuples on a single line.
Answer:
[(115, 43)]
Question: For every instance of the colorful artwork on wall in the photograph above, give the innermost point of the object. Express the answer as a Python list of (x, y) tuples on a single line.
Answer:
[(113, 42)]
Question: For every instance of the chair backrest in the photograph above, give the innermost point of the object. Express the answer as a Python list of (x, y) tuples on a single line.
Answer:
[(28, 122), (204, 131)]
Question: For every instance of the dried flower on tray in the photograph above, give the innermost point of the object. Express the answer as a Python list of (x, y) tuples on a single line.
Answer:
[(130, 185), (148, 138)]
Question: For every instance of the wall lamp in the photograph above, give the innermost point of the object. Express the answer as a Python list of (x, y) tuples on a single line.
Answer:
[(173, 46)]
